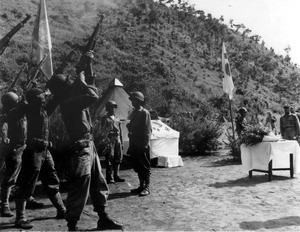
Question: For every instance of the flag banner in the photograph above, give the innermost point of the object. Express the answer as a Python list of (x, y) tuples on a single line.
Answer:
[(227, 78), (41, 39)]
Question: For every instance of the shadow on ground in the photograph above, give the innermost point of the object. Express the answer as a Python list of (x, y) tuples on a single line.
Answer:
[(247, 182), (271, 224)]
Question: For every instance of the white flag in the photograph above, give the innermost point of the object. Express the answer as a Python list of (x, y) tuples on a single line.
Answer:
[(227, 78), (41, 39)]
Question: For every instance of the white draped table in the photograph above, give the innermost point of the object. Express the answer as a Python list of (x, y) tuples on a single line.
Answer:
[(271, 156)]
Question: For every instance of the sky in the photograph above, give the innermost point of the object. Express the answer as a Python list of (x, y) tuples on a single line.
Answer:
[(276, 21)]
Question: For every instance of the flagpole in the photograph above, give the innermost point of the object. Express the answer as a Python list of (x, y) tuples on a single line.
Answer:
[(230, 109)]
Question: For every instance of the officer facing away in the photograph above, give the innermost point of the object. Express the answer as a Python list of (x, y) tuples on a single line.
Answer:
[(140, 130), (84, 174), (112, 138)]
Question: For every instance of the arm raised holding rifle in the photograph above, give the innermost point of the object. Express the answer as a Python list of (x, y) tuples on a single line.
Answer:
[(88, 54)]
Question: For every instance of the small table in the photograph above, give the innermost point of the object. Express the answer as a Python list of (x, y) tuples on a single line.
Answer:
[(271, 156)]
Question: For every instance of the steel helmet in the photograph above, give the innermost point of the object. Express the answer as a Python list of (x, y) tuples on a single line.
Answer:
[(243, 110), (111, 104), (56, 82), (136, 95), (9, 99), (32, 94)]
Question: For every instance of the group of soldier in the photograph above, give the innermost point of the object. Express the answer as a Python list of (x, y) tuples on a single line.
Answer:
[(289, 125), (26, 146)]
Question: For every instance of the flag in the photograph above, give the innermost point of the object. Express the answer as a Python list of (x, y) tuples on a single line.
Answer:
[(227, 78), (41, 39)]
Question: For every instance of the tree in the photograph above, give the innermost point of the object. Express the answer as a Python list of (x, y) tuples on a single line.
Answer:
[(287, 57), (238, 26), (245, 33)]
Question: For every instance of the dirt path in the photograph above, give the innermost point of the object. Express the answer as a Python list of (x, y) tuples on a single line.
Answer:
[(207, 194)]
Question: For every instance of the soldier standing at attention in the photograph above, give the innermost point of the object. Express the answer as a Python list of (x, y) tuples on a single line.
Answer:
[(289, 125), (139, 130), (37, 161), (84, 174), (14, 134), (112, 133)]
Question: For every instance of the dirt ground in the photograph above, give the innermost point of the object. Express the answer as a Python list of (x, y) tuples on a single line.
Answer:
[(207, 194)]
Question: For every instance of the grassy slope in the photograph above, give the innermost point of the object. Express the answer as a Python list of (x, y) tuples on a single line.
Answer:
[(174, 78)]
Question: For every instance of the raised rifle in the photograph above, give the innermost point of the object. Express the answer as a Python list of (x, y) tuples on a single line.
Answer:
[(83, 64), (36, 72), (5, 40), (63, 65), (16, 79)]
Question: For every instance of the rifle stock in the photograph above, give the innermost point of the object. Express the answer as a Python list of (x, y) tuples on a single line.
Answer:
[(5, 40), (37, 70)]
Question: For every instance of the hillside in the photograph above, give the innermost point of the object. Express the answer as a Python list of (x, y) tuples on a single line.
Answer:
[(171, 53)]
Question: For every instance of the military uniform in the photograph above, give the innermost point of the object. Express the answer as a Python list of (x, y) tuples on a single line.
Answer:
[(37, 162), (289, 126), (112, 137), (139, 130), (241, 122), (84, 174), (14, 129)]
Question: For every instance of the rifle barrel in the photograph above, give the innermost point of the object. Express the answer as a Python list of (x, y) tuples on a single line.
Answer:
[(5, 40)]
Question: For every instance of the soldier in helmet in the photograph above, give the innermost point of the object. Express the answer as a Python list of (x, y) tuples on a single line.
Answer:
[(84, 174), (241, 121), (14, 134), (139, 130), (289, 125), (112, 137), (37, 160)]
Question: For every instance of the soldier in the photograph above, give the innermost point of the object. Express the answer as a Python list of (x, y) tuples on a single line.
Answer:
[(112, 137), (14, 134), (241, 121), (270, 120), (37, 160), (84, 172), (139, 130), (289, 125)]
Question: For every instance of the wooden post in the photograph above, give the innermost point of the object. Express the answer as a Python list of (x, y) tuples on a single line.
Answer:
[(230, 108), (291, 165)]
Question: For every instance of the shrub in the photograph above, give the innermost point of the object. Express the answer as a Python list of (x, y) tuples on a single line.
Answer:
[(233, 145), (206, 137), (199, 134)]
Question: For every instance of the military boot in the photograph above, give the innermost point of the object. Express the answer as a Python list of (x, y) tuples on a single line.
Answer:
[(117, 177), (109, 175), (59, 205), (5, 209), (141, 187), (146, 190), (21, 221), (106, 223)]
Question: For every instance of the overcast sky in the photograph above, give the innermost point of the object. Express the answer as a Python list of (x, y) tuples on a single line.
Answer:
[(276, 21)]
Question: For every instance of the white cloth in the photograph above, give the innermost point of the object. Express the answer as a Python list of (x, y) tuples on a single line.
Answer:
[(259, 155), (169, 161)]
